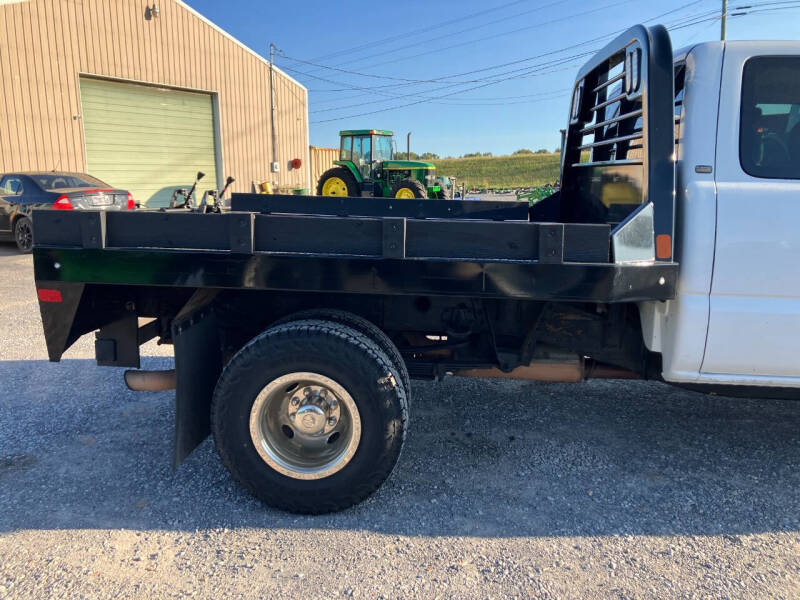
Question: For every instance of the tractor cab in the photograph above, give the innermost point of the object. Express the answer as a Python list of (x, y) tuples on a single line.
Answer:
[(367, 167), (366, 150)]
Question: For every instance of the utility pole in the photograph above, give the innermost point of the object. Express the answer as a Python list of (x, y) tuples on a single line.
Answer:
[(408, 146), (723, 21), (275, 166)]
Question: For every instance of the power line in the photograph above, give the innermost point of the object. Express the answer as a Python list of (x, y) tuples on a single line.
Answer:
[(732, 15), (755, 10), (417, 31), (493, 82), (443, 79), (435, 100), (481, 25), (522, 72), (439, 97), (363, 114), (525, 72), (504, 33)]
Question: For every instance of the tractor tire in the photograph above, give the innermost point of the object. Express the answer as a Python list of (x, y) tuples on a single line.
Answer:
[(409, 188), (338, 181), (23, 234), (361, 325), (310, 416)]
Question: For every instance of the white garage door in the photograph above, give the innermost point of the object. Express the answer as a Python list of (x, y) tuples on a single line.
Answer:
[(148, 140)]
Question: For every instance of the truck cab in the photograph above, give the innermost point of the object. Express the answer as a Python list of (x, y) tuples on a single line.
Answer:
[(735, 320)]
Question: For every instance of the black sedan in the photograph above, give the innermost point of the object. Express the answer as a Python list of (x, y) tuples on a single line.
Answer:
[(22, 192)]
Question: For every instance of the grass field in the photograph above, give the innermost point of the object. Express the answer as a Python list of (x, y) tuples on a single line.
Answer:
[(496, 172)]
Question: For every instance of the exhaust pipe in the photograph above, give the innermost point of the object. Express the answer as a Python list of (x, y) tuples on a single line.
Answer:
[(150, 381)]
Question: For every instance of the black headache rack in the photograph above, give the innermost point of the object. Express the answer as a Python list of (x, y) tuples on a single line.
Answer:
[(618, 165)]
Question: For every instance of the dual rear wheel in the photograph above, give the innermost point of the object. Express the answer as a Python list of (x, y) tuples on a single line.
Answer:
[(310, 416)]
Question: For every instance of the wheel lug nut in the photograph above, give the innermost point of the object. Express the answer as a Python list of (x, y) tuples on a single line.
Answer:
[(323, 393), (295, 401), (333, 404), (306, 392), (332, 421)]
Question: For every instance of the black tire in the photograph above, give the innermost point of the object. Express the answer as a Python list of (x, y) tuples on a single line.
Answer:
[(23, 234), (333, 350), (415, 186), (343, 173), (361, 325)]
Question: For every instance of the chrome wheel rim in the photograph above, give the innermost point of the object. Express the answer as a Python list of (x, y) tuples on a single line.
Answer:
[(305, 425)]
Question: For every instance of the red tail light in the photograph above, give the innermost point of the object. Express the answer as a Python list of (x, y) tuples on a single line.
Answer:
[(131, 202), (62, 203), (48, 295)]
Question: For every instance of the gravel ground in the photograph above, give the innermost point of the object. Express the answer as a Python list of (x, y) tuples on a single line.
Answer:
[(608, 489)]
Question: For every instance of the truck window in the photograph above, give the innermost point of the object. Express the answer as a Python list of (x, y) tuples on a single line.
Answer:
[(769, 137)]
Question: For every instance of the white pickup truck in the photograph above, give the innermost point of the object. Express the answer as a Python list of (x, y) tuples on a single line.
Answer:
[(735, 319)]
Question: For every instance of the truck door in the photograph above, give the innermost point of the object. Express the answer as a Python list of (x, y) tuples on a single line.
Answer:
[(754, 325)]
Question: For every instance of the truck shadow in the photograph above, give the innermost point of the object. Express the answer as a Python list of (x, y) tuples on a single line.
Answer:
[(482, 458)]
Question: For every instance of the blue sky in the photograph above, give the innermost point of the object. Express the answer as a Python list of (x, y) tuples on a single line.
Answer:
[(474, 104)]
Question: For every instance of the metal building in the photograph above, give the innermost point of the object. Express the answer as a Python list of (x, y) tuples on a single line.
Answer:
[(143, 94), (320, 160)]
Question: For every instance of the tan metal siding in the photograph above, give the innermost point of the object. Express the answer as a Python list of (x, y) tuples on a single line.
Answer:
[(46, 44), (321, 160)]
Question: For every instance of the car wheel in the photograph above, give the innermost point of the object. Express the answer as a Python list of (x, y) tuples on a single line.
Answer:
[(23, 234)]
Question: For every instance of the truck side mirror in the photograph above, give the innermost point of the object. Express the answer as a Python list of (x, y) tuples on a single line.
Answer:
[(229, 180), (200, 175)]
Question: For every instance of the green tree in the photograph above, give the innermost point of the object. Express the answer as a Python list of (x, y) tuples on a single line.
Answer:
[(522, 151)]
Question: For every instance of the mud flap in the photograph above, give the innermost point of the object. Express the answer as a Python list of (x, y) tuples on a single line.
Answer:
[(58, 312), (198, 364)]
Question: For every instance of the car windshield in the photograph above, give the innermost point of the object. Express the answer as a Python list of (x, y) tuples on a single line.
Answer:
[(56, 181)]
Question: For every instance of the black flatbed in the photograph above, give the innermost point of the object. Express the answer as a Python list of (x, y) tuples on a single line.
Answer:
[(460, 255)]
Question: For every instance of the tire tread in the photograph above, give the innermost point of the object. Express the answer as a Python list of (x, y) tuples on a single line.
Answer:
[(291, 334)]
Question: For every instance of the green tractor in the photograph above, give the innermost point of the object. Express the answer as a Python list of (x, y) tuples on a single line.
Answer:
[(367, 167)]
